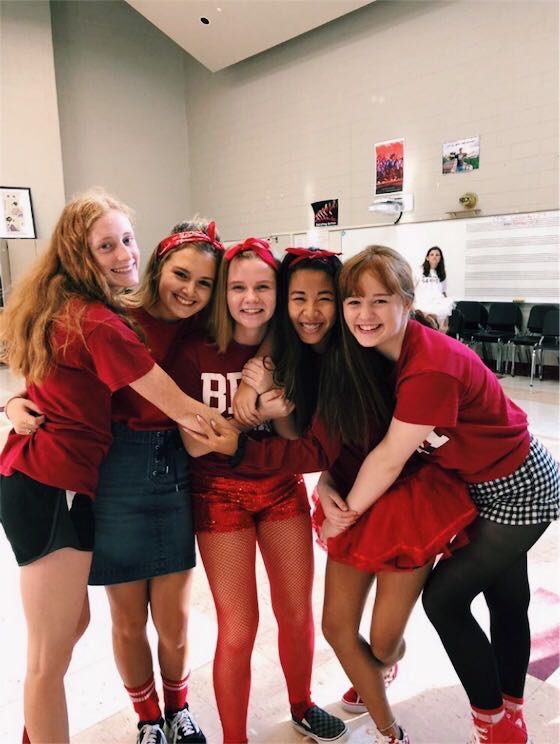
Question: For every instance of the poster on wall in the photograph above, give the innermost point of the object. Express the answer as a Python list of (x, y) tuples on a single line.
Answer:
[(461, 156), (326, 212), (389, 166), (16, 213)]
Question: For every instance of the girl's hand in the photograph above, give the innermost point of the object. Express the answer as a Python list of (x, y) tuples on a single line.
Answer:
[(217, 436), (328, 530), (274, 405), (257, 373), (25, 415), (244, 406), (336, 509)]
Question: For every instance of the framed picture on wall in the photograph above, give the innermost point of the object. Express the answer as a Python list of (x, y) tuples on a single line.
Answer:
[(16, 213)]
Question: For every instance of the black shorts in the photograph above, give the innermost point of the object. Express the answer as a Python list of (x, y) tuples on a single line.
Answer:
[(37, 519)]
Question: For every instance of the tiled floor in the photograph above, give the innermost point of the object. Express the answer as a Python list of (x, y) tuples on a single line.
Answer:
[(426, 695)]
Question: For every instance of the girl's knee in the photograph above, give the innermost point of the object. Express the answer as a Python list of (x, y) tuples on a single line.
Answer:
[(239, 638), (129, 627), (49, 664), (172, 629), (83, 624), (386, 649), (435, 604), (336, 633)]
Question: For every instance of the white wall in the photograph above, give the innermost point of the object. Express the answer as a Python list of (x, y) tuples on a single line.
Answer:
[(30, 154), (122, 111), (298, 123)]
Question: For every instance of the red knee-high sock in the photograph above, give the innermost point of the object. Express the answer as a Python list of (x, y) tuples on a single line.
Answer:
[(25, 739), (286, 547), (145, 700), (175, 693)]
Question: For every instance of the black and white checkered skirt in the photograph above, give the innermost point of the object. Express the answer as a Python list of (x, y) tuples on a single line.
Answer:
[(530, 495)]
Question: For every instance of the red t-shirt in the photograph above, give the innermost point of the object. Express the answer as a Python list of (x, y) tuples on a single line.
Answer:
[(205, 374), (163, 339), (479, 432), (76, 398)]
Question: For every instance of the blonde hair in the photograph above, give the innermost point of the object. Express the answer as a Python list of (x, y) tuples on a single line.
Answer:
[(66, 271), (221, 322), (147, 293), (389, 268)]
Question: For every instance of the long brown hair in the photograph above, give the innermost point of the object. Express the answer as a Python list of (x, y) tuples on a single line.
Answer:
[(356, 398), (65, 272)]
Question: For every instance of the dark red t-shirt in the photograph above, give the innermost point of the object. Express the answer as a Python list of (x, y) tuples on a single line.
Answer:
[(76, 399), (163, 339), (479, 431), (205, 374)]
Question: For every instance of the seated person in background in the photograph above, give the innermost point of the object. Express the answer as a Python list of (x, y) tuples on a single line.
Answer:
[(431, 290)]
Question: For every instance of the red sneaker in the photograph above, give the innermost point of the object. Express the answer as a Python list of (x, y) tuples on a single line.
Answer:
[(503, 732), (516, 716), (353, 703)]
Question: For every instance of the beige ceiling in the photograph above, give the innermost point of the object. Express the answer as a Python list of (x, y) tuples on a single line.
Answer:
[(238, 28)]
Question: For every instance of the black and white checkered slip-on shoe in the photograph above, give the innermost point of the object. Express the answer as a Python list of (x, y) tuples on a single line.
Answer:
[(319, 725)]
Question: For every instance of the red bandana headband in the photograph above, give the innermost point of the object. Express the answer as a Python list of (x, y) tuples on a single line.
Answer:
[(193, 236), (258, 246), (309, 253)]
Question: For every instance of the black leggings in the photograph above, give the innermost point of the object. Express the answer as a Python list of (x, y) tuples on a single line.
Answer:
[(495, 563)]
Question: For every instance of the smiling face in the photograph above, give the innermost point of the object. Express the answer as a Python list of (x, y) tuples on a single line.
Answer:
[(312, 306), (185, 284), (113, 247), (433, 258), (251, 297), (376, 318)]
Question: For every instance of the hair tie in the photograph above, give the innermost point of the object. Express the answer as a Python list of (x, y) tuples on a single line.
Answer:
[(316, 254), (192, 236), (259, 246)]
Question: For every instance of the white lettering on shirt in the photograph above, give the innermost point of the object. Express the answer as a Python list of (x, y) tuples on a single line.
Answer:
[(218, 389), (432, 442)]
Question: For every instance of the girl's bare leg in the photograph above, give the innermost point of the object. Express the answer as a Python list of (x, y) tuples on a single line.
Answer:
[(129, 614), (170, 598), (54, 595)]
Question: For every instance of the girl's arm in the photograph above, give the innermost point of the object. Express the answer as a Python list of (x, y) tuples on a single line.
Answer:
[(275, 407), (334, 507), (160, 390), (211, 438), (245, 400), (383, 465)]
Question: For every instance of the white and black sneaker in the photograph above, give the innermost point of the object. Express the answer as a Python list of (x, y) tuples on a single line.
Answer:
[(181, 728), (150, 733), (319, 725)]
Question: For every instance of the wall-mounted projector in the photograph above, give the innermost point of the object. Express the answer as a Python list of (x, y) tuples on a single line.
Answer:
[(392, 204)]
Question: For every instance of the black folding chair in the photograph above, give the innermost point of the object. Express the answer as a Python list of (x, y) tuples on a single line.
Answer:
[(455, 327), (549, 341), (474, 315), (532, 334), (504, 321)]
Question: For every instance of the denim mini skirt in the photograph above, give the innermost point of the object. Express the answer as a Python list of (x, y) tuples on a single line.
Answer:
[(143, 510)]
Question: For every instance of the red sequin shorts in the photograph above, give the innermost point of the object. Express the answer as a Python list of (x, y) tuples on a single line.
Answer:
[(225, 504)]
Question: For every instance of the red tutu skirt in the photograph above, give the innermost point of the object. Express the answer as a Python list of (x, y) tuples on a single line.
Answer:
[(413, 522)]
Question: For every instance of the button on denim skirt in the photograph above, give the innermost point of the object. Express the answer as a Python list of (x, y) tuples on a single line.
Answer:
[(143, 512)]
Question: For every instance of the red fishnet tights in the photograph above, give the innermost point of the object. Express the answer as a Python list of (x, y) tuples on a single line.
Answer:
[(229, 560)]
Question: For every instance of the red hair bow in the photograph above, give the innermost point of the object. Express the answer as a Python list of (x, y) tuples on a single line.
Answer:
[(256, 245), (193, 236), (312, 253)]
